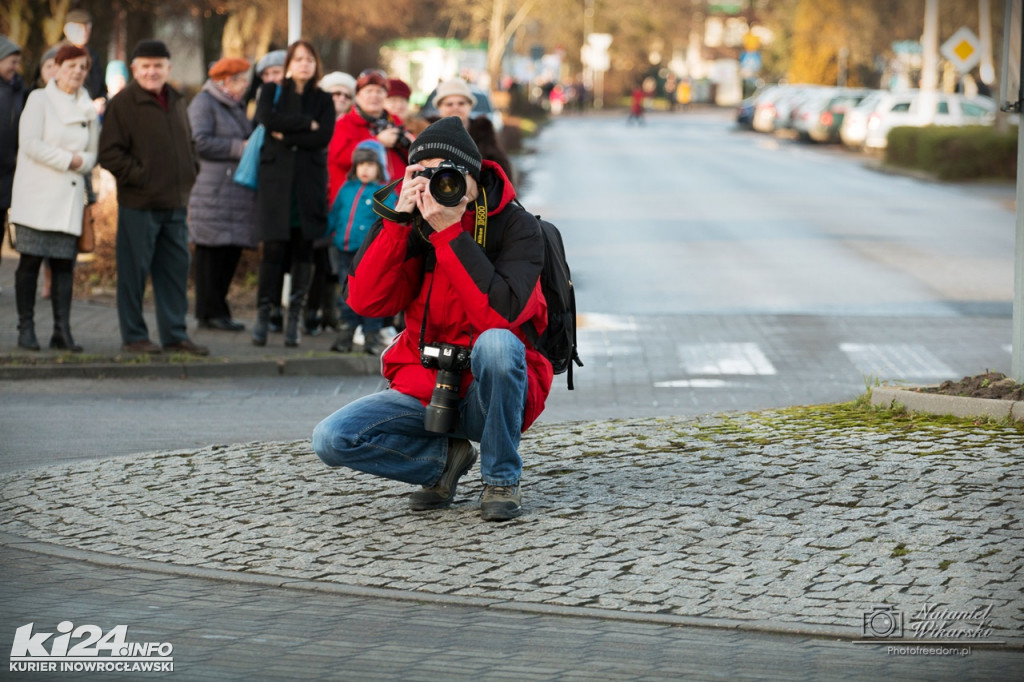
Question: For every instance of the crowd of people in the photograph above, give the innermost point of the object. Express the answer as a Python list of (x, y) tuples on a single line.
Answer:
[(331, 140)]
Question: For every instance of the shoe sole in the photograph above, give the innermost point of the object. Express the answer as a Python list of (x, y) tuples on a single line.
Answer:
[(501, 514), (441, 504)]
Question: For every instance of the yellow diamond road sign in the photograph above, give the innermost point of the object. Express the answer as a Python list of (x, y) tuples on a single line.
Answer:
[(962, 50)]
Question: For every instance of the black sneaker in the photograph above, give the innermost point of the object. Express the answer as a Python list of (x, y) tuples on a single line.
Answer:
[(501, 502), (461, 456)]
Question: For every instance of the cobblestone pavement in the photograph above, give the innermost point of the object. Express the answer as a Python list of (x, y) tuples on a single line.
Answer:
[(779, 520)]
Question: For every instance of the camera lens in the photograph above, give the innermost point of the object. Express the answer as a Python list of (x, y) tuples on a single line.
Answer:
[(448, 186)]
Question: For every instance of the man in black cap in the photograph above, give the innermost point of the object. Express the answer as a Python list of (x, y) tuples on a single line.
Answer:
[(465, 269), (146, 143)]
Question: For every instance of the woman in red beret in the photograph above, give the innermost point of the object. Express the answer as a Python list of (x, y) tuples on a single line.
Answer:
[(221, 214)]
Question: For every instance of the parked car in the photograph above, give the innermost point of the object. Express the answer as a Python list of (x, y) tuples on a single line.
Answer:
[(483, 107), (763, 119), (854, 127), (891, 109), (820, 117)]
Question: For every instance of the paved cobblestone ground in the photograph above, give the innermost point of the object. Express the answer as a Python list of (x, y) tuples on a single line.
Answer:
[(775, 519)]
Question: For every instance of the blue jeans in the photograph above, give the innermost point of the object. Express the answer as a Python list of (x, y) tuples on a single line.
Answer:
[(382, 434)]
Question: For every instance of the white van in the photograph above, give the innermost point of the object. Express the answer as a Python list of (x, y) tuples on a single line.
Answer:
[(869, 124)]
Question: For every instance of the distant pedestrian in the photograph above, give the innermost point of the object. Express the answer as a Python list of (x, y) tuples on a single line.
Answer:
[(397, 101), (454, 98), (12, 101), (636, 106), (292, 193), (221, 213), (349, 222), (342, 89), (78, 31), (146, 144), (368, 120), (59, 137)]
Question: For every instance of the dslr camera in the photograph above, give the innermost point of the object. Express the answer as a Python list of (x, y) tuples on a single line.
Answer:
[(447, 182), (450, 361)]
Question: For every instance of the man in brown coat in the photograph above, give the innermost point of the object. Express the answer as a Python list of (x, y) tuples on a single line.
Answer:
[(146, 143)]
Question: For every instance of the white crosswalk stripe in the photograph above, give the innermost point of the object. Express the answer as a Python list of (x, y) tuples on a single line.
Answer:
[(744, 359), (896, 361)]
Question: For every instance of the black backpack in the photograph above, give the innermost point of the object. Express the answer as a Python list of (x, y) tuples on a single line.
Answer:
[(558, 342)]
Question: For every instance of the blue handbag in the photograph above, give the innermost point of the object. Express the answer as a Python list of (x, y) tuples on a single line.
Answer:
[(247, 174)]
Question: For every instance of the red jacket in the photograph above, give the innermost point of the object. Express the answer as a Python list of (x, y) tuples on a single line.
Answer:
[(350, 130), (470, 291)]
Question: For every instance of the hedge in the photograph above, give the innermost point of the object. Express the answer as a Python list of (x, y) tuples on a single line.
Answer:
[(954, 153)]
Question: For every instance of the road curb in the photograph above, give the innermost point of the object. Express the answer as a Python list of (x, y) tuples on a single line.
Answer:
[(342, 365), (953, 405)]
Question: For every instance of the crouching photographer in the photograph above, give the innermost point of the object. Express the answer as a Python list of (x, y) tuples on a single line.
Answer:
[(466, 272)]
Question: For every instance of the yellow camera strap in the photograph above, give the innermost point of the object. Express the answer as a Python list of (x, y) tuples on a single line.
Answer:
[(480, 232)]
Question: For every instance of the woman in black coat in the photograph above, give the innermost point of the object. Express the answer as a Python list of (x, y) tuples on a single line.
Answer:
[(292, 193)]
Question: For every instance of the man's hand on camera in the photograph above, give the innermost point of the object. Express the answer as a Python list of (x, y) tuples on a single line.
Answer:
[(438, 216), (411, 189)]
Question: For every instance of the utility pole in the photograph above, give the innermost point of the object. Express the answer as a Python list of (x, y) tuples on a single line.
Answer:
[(930, 61), (294, 20), (1012, 99)]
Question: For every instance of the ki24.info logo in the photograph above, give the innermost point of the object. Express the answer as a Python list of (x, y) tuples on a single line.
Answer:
[(87, 649)]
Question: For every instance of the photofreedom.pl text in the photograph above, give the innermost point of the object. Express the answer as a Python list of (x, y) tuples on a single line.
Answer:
[(87, 649)]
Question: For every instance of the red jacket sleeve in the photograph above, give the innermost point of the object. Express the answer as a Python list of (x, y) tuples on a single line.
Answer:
[(384, 278)]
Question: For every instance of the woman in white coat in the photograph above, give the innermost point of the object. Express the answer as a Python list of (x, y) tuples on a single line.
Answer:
[(57, 142)]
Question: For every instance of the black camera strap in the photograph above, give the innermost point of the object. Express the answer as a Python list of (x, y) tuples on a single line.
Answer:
[(480, 234)]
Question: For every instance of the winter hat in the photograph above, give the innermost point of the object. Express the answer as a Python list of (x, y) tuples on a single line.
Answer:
[(374, 152), (151, 49), (455, 86), (447, 139), (338, 79), (78, 16), (371, 77), (398, 88), (228, 67), (275, 58), (8, 47), (50, 54)]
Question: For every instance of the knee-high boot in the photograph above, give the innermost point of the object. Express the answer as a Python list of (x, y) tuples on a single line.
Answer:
[(25, 298), (268, 276), (300, 284), (61, 289)]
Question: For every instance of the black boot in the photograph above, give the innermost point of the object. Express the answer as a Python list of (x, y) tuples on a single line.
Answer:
[(330, 307), (276, 318), (343, 344), (60, 297), (268, 275), (300, 284), (25, 298)]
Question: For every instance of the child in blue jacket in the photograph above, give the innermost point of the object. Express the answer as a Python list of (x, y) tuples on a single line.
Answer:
[(348, 223)]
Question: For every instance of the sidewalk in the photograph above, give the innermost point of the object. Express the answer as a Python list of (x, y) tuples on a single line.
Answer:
[(95, 328)]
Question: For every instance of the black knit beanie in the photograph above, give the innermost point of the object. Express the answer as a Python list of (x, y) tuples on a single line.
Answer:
[(447, 139)]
